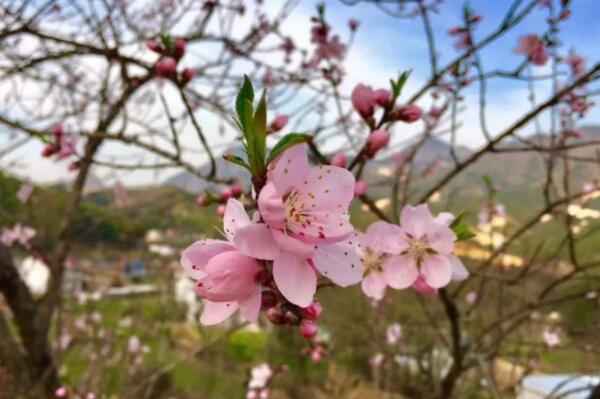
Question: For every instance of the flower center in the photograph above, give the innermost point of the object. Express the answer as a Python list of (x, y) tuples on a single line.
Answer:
[(418, 247), (372, 261)]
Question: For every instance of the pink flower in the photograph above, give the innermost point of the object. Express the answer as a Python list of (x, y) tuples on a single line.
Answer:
[(61, 392), (260, 376), (68, 145), (551, 337), (421, 246), (382, 97), (378, 140), (577, 64), (227, 279), (166, 66), (360, 188), (408, 113), (377, 360), (306, 226), (25, 191), (19, 233), (339, 160), (278, 123), (533, 48), (134, 345), (471, 298), (363, 100)]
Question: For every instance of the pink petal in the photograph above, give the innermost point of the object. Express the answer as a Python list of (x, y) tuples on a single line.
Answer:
[(234, 218), (230, 276), (415, 220), (296, 280), (444, 218), (374, 285), (195, 257), (436, 270), (250, 307), (440, 238), (217, 312), (256, 240), (400, 271), (289, 169), (459, 271), (271, 207), (339, 263), (386, 237), (292, 245)]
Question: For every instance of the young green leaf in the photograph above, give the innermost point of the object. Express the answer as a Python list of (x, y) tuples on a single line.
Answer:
[(236, 160), (461, 229), (244, 96), (259, 128), (286, 142)]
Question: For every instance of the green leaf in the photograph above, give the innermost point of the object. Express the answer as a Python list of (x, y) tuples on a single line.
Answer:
[(236, 160), (244, 96), (399, 85), (166, 40), (286, 142), (461, 229), (260, 129)]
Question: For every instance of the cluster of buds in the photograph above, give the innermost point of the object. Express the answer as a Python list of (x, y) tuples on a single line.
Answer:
[(171, 53), (286, 313), (234, 191), (63, 145), (463, 33)]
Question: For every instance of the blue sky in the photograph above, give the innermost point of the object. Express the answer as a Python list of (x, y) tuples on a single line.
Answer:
[(386, 45)]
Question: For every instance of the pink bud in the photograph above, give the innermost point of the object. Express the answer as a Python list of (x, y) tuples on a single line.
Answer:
[(308, 329), (61, 392), (90, 395), (421, 286), (49, 150), (279, 123), (201, 200), (187, 75), (58, 130), (360, 187), (382, 97), (236, 189), (154, 45), (457, 30), (166, 66), (313, 311), (408, 113), (377, 140), (363, 100), (353, 24), (179, 48), (226, 194), (74, 166), (221, 211), (339, 160)]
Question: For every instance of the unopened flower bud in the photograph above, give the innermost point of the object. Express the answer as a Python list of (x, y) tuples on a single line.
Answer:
[(279, 123), (377, 140), (179, 48), (408, 113), (187, 75), (58, 130), (360, 187), (339, 160), (221, 211), (201, 200), (226, 194), (313, 311), (154, 45), (166, 66), (49, 150), (308, 329), (382, 97)]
